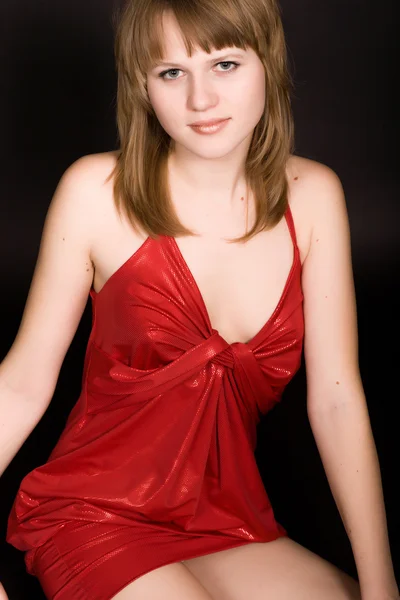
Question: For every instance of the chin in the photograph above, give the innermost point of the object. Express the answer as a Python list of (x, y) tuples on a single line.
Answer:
[(212, 153)]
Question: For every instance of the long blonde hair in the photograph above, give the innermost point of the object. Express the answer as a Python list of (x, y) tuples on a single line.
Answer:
[(140, 174)]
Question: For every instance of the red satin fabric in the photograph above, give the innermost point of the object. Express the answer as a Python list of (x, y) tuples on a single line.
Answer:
[(156, 463)]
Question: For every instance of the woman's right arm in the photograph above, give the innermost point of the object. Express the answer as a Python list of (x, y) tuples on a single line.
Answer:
[(57, 297)]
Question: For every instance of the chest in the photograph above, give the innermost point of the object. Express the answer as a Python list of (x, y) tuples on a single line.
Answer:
[(240, 285)]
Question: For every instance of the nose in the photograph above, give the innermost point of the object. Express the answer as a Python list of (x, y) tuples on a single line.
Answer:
[(201, 93)]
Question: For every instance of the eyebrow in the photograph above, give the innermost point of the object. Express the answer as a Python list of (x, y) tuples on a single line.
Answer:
[(208, 62)]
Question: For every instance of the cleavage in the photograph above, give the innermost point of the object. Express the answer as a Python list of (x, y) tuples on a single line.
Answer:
[(239, 285)]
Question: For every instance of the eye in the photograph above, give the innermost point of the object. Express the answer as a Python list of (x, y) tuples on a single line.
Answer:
[(235, 65), (169, 71)]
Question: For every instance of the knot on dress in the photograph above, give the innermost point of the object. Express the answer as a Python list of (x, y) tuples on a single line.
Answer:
[(111, 383), (225, 357)]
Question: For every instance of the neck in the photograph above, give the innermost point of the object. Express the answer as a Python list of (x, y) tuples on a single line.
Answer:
[(220, 183)]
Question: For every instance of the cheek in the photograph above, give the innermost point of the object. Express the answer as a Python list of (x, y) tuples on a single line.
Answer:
[(164, 111), (254, 98), (168, 115), (250, 90)]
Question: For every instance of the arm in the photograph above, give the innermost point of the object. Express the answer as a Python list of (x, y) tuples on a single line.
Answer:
[(336, 403), (56, 300)]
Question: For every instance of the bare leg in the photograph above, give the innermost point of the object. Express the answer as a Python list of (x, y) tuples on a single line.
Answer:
[(170, 582), (278, 570)]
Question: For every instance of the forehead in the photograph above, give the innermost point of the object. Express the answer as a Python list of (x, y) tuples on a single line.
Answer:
[(170, 42), (172, 37)]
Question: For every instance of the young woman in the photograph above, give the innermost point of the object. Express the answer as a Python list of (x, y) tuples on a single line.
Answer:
[(211, 253)]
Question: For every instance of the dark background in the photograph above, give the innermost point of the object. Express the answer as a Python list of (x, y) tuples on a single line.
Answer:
[(57, 103)]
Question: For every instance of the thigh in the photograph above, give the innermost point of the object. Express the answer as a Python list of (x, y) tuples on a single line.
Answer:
[(165, 583), (278, 570)]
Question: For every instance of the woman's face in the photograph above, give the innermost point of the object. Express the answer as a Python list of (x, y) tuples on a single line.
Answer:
[(199, 89)]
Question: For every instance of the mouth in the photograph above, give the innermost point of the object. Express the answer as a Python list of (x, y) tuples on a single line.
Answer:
[(216, 126), (208, 123)]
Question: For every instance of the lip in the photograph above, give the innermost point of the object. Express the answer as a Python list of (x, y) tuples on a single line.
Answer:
[(207, 123)]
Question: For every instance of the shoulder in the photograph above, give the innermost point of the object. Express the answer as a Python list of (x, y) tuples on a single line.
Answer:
[(85, 190), (85, 182), (91, 170), (316, 198), (312, 183)]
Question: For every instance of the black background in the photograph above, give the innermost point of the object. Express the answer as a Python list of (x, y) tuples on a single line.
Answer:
[(57, 103)]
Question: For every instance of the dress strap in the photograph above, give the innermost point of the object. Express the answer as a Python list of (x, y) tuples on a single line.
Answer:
[(290, 222)]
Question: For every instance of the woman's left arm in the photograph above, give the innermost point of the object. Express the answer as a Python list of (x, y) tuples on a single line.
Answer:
[(336, 402)]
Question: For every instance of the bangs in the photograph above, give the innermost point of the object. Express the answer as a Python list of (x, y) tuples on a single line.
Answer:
[(208, 25)]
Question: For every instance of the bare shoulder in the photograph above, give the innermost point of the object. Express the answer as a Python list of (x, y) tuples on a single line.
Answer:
[(90, 174), (92, 177), (312, 184), (80, 191), (113, 239), (315, 191)]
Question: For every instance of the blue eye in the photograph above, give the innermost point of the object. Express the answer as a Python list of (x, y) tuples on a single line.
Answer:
[(225, 62)]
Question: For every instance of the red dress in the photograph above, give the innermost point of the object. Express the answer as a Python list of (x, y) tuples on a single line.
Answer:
[(156, 462)]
